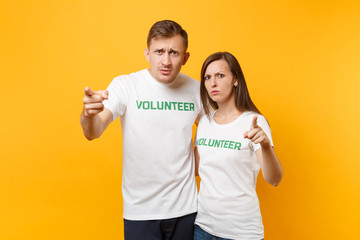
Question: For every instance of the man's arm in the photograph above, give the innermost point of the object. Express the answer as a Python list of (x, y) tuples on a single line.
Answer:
[(94, 118), (197, 161)]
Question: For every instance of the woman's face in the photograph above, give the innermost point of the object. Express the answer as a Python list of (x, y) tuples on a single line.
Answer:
[(219, 82)]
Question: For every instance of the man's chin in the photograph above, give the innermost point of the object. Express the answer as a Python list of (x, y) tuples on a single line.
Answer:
[(166, 79)]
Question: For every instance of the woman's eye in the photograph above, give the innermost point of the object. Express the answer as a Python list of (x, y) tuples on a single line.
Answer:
[(220, 75), (206, 77)]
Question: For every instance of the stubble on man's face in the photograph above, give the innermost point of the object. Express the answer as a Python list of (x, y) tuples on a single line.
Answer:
[(166, 57)]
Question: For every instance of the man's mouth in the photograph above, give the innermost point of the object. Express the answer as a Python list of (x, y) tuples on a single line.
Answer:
[(165, 71)]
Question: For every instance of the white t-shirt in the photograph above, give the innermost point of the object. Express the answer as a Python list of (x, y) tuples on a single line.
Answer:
[(158, 179), (228, 206)]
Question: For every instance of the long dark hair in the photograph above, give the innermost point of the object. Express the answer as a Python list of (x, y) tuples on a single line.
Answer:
[(243, 101)]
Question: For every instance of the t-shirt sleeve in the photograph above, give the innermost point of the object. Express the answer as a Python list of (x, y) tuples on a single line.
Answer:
[(195, 140), (117, 99), (196, 134), (201, 122), (261, 121)]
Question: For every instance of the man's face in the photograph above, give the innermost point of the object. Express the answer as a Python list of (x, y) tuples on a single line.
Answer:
[(166, 56)]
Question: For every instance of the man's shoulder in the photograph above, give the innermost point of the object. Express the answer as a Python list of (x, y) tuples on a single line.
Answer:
[(131, 76), (188, 79)]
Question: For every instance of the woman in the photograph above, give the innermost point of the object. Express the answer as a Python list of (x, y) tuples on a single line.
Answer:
[(232, 144)]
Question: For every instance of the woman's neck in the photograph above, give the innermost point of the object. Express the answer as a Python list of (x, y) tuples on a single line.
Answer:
[(226, 113)]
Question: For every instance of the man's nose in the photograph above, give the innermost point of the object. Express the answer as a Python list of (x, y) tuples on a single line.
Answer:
[(166, 60)]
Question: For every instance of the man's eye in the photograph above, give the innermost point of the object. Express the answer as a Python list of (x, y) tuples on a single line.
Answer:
[(174, 53), (158, 51)]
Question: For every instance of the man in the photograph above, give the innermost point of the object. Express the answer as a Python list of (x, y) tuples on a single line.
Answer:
[(157, 108)]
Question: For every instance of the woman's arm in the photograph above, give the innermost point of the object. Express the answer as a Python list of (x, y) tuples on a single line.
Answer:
[(269, 163)]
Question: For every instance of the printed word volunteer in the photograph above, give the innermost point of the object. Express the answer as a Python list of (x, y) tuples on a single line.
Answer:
[(164, 105), (218, 143)]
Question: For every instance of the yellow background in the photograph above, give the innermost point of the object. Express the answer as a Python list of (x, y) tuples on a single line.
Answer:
[(301, 61)]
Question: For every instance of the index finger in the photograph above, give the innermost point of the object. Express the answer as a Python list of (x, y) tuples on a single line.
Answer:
[(88, 91), (254, 122)]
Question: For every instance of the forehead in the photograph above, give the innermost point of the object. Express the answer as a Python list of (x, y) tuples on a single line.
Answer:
[(217, 66), (174, 42)]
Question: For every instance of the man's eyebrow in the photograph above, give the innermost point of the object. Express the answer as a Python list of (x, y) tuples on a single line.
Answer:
[(174, 50)]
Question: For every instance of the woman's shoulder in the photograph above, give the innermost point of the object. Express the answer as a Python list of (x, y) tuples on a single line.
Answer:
[(206, 118), (251, 114)]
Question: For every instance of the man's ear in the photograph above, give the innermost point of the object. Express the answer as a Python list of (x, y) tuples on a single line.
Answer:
[(147, 53), (186, 57)]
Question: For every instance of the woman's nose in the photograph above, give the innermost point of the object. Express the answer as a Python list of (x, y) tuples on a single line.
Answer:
[(213, 82)]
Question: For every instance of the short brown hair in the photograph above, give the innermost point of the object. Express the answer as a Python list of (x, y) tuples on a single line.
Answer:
[(167, 29), (243, 101)]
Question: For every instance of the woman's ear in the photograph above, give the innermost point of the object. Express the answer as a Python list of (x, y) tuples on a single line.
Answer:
[(235, 82)]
